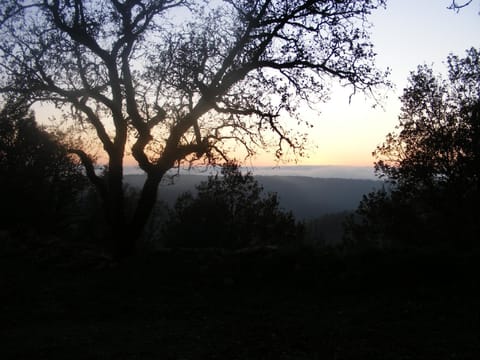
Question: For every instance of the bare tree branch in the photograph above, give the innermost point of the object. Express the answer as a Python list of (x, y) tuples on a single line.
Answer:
[(457, 7), (90, 171)]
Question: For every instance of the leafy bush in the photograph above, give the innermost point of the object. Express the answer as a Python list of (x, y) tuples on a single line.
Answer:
[(230, 211)]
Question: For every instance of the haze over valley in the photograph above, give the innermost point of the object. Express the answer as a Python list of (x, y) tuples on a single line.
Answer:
[(307, 197)]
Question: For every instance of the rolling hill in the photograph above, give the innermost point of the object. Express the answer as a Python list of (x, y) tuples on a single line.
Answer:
[(306, 197)]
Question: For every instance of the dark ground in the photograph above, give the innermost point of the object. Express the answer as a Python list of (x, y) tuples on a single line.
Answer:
[(258, 305)]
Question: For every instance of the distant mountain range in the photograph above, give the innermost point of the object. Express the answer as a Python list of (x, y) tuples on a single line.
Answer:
[(320, 171), (306, 197)]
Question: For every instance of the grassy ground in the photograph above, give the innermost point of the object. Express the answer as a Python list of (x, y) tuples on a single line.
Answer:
[(261, 305)]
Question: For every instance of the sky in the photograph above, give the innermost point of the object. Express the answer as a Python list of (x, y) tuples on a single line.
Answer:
[(406, 34)]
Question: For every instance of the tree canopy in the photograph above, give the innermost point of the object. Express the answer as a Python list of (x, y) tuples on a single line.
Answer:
[(231, 212), (438, 137), (176, 80), (39, 182), (432, 162)]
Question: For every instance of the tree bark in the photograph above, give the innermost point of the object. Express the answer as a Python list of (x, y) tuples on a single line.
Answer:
[(122, 245), (145, 205)]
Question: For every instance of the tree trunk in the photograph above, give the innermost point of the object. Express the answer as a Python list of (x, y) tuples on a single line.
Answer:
[(121, 243), (145, 205), (123, 235)]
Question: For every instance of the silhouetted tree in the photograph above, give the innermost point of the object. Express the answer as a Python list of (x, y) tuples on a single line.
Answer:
[(181, 79), (230, 211), (385, 220), (432, 163), (39, 183), (455, 5)]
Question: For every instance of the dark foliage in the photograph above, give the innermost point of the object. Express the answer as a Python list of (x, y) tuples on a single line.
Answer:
[(326, 230), (230, 211), (230, 75), (260, 305), (39, 183), (431, 164)]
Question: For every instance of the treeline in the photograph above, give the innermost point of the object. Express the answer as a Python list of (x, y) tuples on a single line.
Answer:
[(48, 201), (430, 167)]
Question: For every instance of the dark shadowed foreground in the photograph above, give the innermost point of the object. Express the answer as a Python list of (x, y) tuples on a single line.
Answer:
[(260, 304)]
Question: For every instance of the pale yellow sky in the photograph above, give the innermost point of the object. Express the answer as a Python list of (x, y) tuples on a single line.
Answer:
[(407, 34)]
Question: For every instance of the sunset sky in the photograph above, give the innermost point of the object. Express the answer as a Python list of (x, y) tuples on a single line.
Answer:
[(406, 34)]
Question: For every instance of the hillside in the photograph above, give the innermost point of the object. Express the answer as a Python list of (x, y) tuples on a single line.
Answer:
[(306, 197), (256, 305)]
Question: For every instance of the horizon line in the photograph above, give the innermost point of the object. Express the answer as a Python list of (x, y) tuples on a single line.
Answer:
[(316, 171)]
